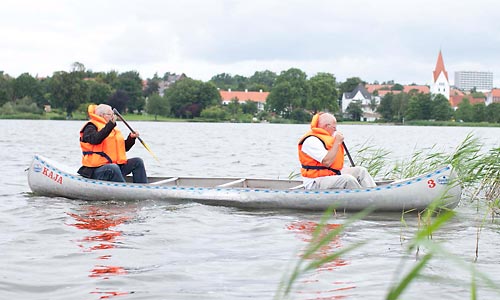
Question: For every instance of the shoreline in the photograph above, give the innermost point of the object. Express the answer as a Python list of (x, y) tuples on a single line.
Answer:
[(147, 118)]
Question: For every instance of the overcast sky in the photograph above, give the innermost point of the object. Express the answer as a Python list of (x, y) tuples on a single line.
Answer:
[(374, 40)]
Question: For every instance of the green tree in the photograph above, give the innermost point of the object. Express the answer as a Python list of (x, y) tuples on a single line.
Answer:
[(111, 78), (419, 106), (27, 86), (414, 111), (399, 105), (119, 100), (6, 90), (158, 106), (240, 83), (279, 99), (479, 112), (442, 110), (324, 95), (385, 107), (464, 112), (262, 80), (99, 92), (397, 87), (349, 85), (77, 67), (291, 90), (68, 91), (373, 104), (223, 81), (249, 107), (189, 97), (493, 113), (234, 108), (354, 110), (131, 83)]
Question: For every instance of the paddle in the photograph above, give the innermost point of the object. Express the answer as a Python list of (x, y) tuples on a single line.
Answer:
[(133, 131), (348, 154)]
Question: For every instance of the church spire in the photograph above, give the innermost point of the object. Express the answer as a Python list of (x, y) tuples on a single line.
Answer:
[(441, 84), (440, 68)]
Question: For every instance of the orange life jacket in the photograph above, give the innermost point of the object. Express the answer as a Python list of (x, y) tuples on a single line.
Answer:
[(111, 150), (311, 168)]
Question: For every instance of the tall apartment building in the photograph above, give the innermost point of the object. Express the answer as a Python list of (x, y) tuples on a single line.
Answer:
[(467, 80)]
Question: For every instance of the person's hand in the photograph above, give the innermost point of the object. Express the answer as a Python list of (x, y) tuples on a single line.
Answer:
[(134, 134), (339, 137)]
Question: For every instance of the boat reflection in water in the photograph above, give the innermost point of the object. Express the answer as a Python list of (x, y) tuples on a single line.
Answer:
[(305, 231), (100, 223)]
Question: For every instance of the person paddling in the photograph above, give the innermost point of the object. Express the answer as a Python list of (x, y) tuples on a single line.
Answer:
[(321, 154), (103, 149)]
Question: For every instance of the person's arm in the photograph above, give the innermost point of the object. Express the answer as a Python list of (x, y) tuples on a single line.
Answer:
[(332, 153), (129, 142), (94, 137), (315, 148)]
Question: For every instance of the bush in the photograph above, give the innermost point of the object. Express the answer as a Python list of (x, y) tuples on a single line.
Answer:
[(214, 113), (22, 106), (300, 116)]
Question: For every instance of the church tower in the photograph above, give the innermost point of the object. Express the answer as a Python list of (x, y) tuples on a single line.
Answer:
[(440, 84)]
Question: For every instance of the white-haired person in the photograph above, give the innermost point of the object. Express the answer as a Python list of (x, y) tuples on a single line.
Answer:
[(321, 155), (104, 149)]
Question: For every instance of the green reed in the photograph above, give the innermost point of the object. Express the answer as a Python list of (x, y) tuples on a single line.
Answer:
[(478, 174), (372, 158), (309, 261)]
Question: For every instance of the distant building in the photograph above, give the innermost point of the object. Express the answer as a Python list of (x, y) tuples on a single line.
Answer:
[(383, 89), (259, 97), (440, 83), (457, 96), (368, 104), (493, 96), (165, 84), (468, 80)]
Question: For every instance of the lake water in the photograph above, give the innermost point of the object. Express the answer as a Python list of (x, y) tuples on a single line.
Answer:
[(55, 248)]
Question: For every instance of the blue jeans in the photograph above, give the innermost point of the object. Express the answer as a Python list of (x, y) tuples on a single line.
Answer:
[(117, 173)]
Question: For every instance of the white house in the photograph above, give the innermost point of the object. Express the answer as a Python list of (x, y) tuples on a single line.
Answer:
[(259, 97), (364, 98)]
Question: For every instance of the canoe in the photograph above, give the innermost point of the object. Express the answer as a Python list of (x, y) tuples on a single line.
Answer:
[(48, 178)]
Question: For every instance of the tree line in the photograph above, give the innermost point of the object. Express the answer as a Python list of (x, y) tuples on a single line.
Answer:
[(293, 96)]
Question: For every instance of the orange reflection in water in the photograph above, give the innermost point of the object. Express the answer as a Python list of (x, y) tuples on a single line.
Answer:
[(100, 222), (103, 271), (107, 295), (305, 231)]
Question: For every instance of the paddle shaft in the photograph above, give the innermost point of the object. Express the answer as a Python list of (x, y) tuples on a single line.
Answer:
[(348, 155), (125, 122), (133, 131)]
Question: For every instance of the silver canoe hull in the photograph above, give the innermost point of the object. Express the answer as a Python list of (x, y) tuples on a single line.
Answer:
[(48, 178)]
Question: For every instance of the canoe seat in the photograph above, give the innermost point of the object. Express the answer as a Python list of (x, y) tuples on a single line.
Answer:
[(164, 181), (233, 183)]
